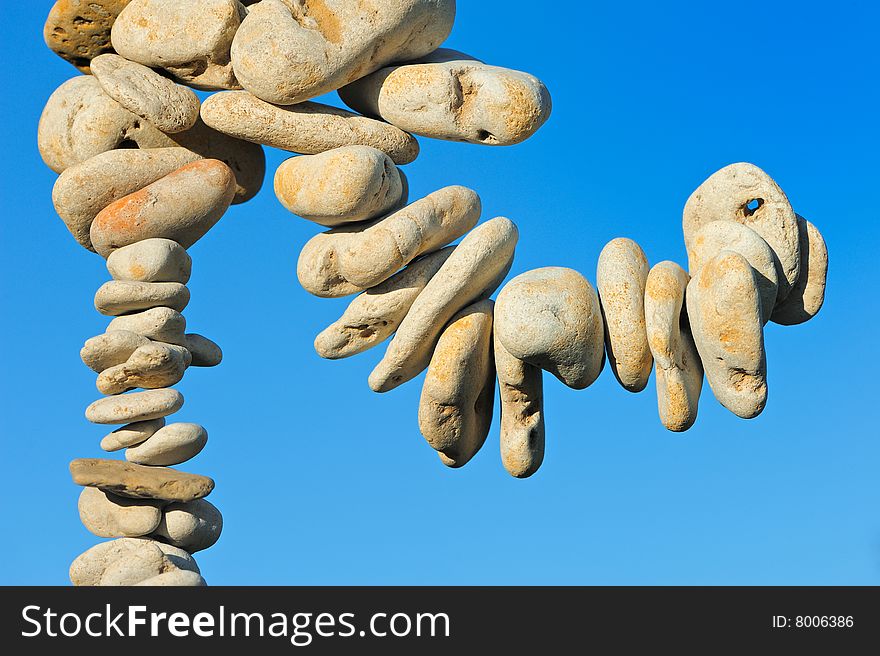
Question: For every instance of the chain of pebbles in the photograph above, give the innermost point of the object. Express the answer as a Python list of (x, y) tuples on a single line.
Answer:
[(146, 169)]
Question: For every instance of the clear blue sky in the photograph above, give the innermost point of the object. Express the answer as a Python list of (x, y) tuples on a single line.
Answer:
[(322, 481)]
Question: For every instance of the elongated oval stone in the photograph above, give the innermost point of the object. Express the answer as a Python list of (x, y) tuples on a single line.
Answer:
[(137, 406), (110, 516), (808, 294)]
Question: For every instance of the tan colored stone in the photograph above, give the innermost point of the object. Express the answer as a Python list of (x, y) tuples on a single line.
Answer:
[(348, 259), (746, 194), (83, 190), (174, 578), (131, 559), (131, 434), (161, 324), (79, 30), (521, 388), (716, 236), (80, 121), (343, 185), (110, 516), (551, 318), (724, 309), (168, 106), (151, 260), (308, 128), (192, 526), (139, 482), (191, 40), (679, 372), (287, 51), (471, 273), (620, 281), (137, 406), (205, 353), (375, 314), (151, 366), (455, 410), (182, 206), (171, 445), (450, 95), (808, 294), (118, 297), (110, 349)]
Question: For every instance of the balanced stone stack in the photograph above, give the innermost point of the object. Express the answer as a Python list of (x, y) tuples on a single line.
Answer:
[(147, 168)]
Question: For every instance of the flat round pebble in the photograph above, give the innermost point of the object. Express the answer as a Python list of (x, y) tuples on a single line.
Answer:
[(118, 297), (151, 260), (192, 526), (110, 349), (161, 324), (137, 406), (131, 434), (171, 445)]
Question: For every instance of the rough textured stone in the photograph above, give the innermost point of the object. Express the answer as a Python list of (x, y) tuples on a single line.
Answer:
[(450, 95), (808, 294), (80, 121), (137, 554), (471, 273), (168, 106), (110, 349), (205, 353), (151, 260), (84, 189), (375, 314), (287, 51), (139, 482), (308, 128), (79, 30), (521, 388), (174, 578), (679, 372), (716, 236), (151, 366), (131, 434), (137, 406), (191, 40), (724, 309), (343, 185), (118, 297), (551, 318), (182, 206), (455, 410), (161, 324), (171, 445), (746, 194), (110, 516), (191, 526), (620, 281), (347, 259)]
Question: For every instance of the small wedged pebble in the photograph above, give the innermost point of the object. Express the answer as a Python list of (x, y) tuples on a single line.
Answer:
[(131, 434), (139, 482), (83, 190), (450, 95), (286, 52), (160, 324), (151, 260), (374, 315), (192, 526), (551, 318), (151, 366), (182, 206), (471, 273), (110, 349), (521, 389), (205, 353), (308, 128), (455, 409), (620, 282), (808, 294), (724, 310), (343, 185), (118, 297), (110, 516), (169, 445), (141, 90), (190, 40), (136, 406)]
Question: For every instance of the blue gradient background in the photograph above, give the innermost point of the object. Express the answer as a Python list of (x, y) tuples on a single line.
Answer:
[(323, 482)]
